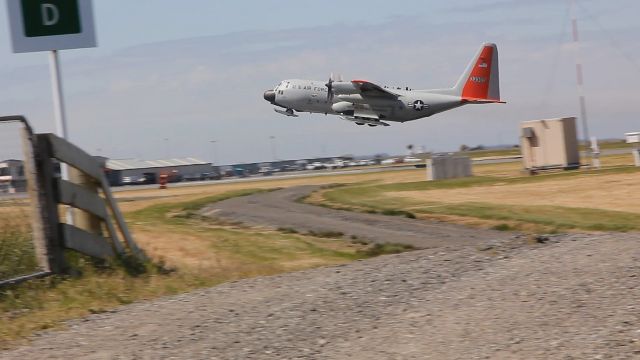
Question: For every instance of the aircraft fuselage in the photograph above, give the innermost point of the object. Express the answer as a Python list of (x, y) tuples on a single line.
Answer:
[(311, 96), (364, 102)]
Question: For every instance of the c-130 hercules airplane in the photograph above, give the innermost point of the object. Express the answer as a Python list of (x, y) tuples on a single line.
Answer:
[(364, 102)]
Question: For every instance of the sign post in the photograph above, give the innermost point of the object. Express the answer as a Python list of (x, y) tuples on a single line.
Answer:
[(634, 138), (52, 25), (58, 100)]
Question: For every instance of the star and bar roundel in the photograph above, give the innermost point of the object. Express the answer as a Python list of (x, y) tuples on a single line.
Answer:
[(419, 105)]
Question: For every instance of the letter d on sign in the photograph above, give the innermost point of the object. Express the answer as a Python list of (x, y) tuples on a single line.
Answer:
[(50, 17), (50, 14)]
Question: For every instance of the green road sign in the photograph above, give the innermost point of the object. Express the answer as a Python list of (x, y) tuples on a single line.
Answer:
[(41, 25), (50, 17)]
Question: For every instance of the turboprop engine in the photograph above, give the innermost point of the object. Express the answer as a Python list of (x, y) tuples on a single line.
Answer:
[(343, 107)]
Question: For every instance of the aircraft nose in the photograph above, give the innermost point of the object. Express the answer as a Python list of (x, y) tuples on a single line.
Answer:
[(270, 96)]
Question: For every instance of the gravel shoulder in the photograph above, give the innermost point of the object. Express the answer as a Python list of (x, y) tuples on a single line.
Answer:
[(279, 209), (573, 297)]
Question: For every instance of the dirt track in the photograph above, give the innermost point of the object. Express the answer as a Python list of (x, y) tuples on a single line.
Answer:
[(280, 209)]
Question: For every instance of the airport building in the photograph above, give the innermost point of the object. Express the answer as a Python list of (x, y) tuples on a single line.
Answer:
[(12, 178), (132, 171)]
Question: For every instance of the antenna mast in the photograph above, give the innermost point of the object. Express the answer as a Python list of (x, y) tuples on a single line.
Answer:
[(579, 78)]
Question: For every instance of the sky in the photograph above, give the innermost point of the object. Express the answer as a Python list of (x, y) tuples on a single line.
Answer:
[(169, 77)]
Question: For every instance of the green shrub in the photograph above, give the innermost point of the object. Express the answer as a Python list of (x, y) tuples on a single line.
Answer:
[(287, 230), (326, 234), (386, 248), (502, 227)]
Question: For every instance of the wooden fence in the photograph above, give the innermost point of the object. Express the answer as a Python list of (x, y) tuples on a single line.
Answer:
[(94, 226)]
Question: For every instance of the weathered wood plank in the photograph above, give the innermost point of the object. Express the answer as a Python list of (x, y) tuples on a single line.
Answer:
[(85, 242), (81, 198), (74, 156), (115, 239), (122, 225), (38, 212), (89, 223)]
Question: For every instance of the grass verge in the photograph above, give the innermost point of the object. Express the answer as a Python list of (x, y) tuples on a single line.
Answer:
[(379, 198)]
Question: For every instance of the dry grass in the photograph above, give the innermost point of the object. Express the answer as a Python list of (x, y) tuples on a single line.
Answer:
[(17, 255), (505, 198), (514, 169), (510, 169), (616, 192)]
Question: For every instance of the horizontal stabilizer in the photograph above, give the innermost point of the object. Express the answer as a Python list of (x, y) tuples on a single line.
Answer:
[(482, 101)]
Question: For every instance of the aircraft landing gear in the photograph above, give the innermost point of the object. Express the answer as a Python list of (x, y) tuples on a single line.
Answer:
[(372, 125), (359, 123), (289, 112)]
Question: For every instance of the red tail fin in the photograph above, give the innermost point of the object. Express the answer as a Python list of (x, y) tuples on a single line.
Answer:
[(480, 81)]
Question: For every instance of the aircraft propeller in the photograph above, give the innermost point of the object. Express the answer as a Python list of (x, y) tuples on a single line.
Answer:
[(329, 86)]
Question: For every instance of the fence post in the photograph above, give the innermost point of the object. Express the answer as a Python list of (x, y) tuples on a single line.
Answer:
[(36, 206), (47, 199)]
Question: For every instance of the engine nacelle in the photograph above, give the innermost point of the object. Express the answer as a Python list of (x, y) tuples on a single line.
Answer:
[(344, 88), (343, 107)]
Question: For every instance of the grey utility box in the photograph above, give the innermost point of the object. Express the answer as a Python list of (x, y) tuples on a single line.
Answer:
[(448, 167)]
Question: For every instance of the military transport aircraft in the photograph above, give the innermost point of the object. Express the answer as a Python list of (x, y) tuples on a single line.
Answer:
[(364, 102)]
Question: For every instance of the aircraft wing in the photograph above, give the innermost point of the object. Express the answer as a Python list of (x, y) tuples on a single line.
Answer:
[(370, 89)]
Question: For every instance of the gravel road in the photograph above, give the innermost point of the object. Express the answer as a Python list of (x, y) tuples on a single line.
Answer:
[(280, 209), (573, 297)]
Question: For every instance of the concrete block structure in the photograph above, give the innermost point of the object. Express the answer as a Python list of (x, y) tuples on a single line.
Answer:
[(549, 144), (448, 167)]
